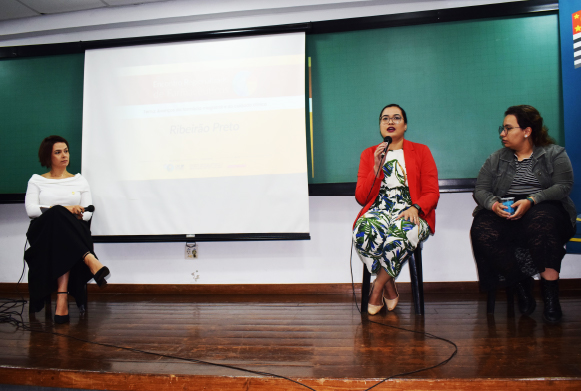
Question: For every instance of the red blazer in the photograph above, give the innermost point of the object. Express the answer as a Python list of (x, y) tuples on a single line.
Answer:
[(422, 177)]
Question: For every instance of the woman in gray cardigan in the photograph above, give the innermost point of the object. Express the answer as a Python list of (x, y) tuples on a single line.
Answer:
[(511, 246)]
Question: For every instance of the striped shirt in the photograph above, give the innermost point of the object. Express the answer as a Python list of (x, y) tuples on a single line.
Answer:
[(524, 182)]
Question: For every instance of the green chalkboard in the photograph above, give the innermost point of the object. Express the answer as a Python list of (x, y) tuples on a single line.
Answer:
[(39, 97), (455, 80)]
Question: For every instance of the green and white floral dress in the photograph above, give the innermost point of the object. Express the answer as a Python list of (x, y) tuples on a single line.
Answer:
[(382, 240)]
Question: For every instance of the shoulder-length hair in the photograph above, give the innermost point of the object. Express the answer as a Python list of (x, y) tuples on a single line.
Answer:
[(45, 150)]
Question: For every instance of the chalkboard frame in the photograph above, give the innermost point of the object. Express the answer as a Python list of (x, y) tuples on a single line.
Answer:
[(319, 27)]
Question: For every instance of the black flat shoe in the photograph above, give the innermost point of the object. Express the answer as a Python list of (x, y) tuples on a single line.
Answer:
[(100, 276), (60, 319), (526, 300)]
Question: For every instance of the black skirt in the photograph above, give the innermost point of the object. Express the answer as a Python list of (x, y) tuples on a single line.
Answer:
[(58, 242), (508, 251)]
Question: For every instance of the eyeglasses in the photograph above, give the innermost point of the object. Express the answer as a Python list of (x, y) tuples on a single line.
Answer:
[(507, 128), (396, 119)]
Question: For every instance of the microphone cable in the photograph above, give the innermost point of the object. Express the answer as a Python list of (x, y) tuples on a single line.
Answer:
[(14, 317), (7, 305), (11, 316), (426, 334), (26, 326)]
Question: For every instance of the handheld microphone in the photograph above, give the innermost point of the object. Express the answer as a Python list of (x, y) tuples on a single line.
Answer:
[(386, 139), (89, 208)]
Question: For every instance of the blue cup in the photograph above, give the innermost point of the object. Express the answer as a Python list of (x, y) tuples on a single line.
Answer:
[(508, 201)]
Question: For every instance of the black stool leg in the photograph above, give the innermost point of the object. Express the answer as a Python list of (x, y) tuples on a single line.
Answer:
[(510, 301), (417, 280), (366, 283), (490, 301), (48, 306)]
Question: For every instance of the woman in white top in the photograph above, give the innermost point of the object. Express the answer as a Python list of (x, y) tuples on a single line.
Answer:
[(61, 254)]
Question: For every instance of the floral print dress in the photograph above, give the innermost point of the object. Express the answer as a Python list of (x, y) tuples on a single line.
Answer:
[(382, 240)]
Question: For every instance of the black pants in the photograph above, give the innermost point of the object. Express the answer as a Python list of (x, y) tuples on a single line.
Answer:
[(507, 251), (58, 241)]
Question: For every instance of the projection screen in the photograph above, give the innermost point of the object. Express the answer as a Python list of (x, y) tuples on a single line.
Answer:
[(199, 137)]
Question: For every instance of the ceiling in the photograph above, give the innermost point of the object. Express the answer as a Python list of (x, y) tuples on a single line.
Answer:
[(15, 9), (38, 22)]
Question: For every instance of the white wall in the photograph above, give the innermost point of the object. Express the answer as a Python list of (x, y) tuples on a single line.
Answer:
[(323, 259)]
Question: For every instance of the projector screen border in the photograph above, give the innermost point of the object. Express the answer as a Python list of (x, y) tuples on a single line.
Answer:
[(201, 238), (82, 46)]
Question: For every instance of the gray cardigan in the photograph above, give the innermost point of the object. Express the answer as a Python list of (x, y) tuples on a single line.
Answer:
[(551, 166)]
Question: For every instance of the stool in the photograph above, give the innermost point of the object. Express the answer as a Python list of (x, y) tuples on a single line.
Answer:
[(416, 277), (491, 301), (82, 305), (491, 295)]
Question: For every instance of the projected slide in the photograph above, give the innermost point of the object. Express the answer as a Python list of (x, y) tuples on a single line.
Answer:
[(198, 137)]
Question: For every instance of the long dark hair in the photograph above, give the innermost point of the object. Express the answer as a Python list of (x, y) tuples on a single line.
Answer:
[(529, 117)]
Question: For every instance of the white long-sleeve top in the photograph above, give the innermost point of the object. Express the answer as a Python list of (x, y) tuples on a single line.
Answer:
[(45, 192)]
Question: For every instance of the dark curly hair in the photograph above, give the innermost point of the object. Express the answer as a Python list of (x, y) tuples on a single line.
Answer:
[(529, 117), (45, 150)]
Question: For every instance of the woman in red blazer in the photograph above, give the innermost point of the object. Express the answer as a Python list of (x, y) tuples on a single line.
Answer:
[(399, 191)]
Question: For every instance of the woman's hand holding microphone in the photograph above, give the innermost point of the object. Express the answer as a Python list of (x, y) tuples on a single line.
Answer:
[(380, 155)]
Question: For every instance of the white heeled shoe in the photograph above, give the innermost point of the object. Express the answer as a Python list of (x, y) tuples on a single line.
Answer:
[(374, 309), (391, 303)]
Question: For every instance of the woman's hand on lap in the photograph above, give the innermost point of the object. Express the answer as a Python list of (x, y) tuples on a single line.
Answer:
[(77, 210), (520, 208), (410, 214)]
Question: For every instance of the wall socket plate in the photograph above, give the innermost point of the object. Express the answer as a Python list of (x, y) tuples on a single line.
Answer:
[(191, 250)]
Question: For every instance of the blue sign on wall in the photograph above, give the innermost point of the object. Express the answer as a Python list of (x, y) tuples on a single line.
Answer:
[(570, 32)]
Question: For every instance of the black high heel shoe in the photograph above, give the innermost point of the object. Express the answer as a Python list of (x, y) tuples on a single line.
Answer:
[(100, 276), (60, 319)]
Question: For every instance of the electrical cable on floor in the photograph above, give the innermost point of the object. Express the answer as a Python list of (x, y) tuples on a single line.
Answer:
[(13, 317), (7, 305), (8, 315), (432, 336), (429, 335)]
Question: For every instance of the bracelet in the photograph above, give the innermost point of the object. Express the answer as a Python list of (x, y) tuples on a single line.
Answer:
[(493, 205), (417, 207), (532, 200)]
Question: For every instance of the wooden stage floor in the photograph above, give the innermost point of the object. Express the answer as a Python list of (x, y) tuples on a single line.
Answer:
[(318, 340)]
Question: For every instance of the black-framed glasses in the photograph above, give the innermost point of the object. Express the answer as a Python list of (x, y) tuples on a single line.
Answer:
[(508, 128), (396, 119)]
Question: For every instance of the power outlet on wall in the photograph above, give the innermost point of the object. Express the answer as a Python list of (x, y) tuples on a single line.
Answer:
[(191, 250), (196, 276)]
